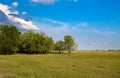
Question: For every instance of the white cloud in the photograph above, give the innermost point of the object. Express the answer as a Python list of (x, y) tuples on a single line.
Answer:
[(16, 20), (15, 12), (5, 9), (45, 1), (24, 24), (15, 4), (24, 13)]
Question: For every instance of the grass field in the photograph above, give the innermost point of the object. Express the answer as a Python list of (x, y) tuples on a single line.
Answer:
[(83, 64)]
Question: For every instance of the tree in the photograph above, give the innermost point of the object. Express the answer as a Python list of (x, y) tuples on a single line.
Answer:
[(45, 43), (59, 45), (9, 36), (69, 43), (27, 42), (31, 42), (49, 44)]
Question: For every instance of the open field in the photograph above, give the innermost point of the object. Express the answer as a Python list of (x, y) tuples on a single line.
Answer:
[(83, 64)]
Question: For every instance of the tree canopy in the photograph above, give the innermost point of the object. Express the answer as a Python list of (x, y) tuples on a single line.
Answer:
[(60, 46), (9, 36), (29, 42), (69, 43)]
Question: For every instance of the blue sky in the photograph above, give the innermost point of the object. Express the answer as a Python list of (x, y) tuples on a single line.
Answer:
[(94, 24)]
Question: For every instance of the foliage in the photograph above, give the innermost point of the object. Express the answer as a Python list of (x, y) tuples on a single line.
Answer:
[(29, 42), (35, 43), (9, 36), (60, 46), (69, 43)]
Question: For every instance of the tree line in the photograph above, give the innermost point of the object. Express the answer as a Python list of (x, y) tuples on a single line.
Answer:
[(13, 41)]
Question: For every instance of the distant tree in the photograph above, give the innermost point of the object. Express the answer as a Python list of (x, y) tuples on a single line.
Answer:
[(97, 50), (69, 43), (110, 50), (9, 36), (60, 46)]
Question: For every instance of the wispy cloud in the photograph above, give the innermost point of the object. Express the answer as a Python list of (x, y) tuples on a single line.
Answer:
[(56, 23), (54, 28), (86, 28), (45, 1), (11, 15), (96, 31), (86, 36)]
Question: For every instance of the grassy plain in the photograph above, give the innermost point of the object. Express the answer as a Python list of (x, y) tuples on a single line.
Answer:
[(82, 64)]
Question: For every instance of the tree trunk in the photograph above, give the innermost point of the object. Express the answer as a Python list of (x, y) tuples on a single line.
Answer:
[(59, 51)]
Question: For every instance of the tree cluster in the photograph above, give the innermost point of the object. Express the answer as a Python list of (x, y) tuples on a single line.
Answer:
[(13, 41)]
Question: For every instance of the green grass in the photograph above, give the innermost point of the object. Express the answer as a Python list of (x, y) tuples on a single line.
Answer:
[(83, 64)]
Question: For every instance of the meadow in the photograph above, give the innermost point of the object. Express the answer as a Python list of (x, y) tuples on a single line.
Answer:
[(82, 64)]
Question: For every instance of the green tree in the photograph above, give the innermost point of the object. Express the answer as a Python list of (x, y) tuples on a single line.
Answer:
[(9, 36), (49, 43), (27, 42), (69, 43), (44, 43), (60, 46), (31, 42)]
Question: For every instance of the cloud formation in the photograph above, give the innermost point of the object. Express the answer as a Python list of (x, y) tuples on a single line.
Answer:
[(54, 26), (24, 13), (13, 17), (45, 1), (83, 33), (14, 4)]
